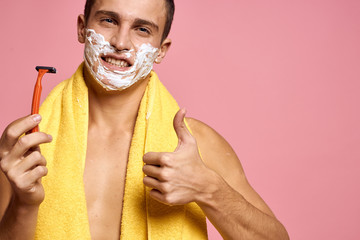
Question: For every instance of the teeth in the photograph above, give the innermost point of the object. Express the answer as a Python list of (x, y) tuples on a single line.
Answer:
[(117, 62)]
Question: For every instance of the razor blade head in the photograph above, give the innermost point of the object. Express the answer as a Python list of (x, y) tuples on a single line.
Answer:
[(50, 69)]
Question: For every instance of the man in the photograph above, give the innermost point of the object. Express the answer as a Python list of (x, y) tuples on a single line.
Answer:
[(122, 40)]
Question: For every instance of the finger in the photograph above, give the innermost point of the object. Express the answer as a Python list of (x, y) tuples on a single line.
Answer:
[(36, 174), (32, 149), (151, 182), (157, 195), (156, 172), (29, 141), (164, 198), (31, 161), (157, 158), (18, 128), (181, 130)]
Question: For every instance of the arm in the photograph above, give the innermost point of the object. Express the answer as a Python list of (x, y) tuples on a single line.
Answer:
[(232, 206), (217, 183), (22, 167)]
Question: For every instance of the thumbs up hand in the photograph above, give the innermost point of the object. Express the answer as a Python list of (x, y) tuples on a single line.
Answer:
[(177, 177)]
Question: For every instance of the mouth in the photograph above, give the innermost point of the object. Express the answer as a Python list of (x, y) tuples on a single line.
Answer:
[(116, 62)]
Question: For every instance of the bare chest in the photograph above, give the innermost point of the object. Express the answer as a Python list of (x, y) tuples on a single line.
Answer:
[(104, 181)]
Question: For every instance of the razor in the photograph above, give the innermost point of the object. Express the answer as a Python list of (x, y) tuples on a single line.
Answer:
[(37, 91)]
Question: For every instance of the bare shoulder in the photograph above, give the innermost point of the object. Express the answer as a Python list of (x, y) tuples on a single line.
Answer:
[(216, 152), (218, 155)]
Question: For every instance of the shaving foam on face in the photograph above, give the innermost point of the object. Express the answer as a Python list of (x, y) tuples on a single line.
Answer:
[(96, 46)]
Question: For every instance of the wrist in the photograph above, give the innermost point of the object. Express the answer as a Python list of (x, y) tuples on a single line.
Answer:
[(212, 191), (19, 220), (23, 209)]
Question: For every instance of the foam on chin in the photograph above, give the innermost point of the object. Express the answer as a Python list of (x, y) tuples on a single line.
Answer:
[(96, 46)]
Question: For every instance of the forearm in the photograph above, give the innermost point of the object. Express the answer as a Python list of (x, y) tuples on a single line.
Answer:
[(18, 222), (235, 218)]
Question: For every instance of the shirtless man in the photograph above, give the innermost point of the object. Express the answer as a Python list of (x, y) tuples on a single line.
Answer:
[(216, 182)]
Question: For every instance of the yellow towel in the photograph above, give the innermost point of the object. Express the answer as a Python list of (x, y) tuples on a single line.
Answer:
[(63, 214)]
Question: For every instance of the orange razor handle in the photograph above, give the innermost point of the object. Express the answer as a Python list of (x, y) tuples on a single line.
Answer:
[(37, 92)]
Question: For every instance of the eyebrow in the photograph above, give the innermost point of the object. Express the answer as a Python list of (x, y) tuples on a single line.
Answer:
[(137, 21), (107, 13)]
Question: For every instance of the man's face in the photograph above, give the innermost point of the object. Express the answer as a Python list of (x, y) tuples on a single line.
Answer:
[(122, 40)]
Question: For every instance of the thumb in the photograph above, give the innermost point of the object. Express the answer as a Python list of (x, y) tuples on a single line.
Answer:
[(181, 130)]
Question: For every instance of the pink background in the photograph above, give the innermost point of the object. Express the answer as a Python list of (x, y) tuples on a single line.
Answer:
[(278, 79)]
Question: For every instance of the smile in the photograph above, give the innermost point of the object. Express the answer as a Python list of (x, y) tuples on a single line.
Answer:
[(116, 62)]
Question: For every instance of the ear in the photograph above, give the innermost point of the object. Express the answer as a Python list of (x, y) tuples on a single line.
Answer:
[(165, 45), (81, 28)]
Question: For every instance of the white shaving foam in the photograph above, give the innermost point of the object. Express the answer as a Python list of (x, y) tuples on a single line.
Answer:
[(95, 46)]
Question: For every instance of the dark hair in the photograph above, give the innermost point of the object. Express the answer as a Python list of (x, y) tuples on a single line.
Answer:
[(170, 10)]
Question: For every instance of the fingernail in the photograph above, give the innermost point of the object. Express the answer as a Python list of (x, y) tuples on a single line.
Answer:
[(36, 118), (50, 137)]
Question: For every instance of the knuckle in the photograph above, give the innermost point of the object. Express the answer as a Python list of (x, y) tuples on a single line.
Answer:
[(19, 184), (164, 175), (168, 198), (166, 188), (23, 141), (4, 165), (3, 150), (10, 133), (38, 158), (11, 174), (165, 159)]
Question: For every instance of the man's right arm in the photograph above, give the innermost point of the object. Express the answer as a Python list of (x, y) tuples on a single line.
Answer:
[(22, 167)]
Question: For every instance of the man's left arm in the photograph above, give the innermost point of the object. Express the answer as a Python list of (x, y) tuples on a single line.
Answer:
[(215, 181)]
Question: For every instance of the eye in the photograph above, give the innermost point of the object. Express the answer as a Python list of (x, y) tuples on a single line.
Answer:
[(108, 20), (144, 30)]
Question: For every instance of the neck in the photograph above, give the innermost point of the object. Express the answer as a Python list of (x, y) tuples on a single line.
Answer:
[(113, 111)]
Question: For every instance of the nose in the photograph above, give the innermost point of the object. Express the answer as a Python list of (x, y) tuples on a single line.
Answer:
[(121, 39)]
